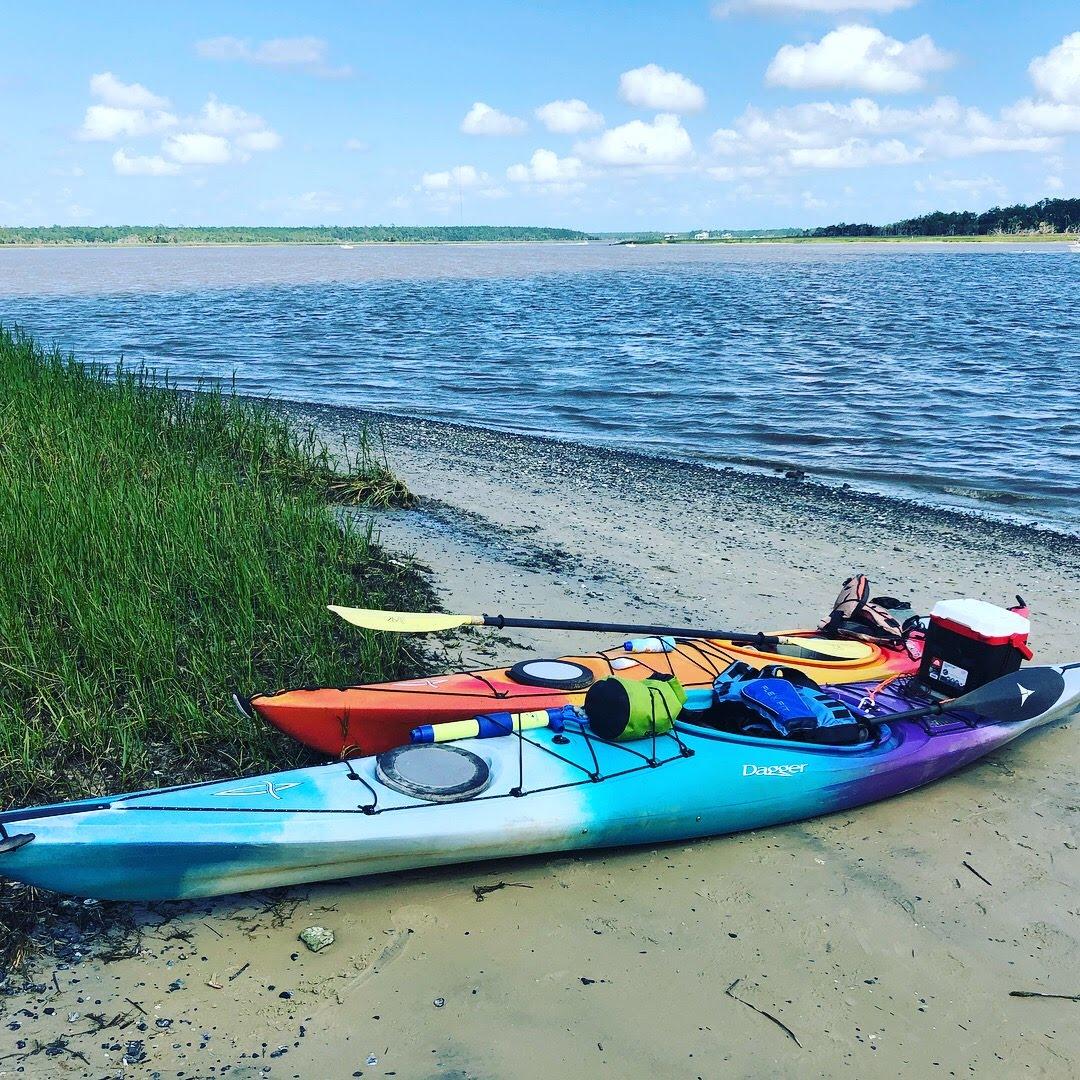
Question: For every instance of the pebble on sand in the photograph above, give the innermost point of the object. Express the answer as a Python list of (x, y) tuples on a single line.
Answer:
[(317, 938)]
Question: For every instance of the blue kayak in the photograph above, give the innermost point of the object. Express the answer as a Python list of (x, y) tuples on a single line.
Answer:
[(526, 793)]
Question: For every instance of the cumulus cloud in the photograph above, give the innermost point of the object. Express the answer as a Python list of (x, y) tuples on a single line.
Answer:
[(861, 57), (663, 142), (106, 123), (1057, 74), (570, 116), (248, 131), (217, 118), (652, 87), (127, 110), (1046, 117), (807, 7), (301, 53), (198, 148), (108, 88), (259, 141), (854, 154), (132, 165), (357, 146), (217, 134), (460, 176), (546, 167), (482, 119), (861, 133)]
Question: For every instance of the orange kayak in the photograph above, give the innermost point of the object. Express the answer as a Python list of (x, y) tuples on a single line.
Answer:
[(361, 720)]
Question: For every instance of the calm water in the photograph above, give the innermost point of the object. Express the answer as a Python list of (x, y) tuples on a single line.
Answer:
[(949, 373)]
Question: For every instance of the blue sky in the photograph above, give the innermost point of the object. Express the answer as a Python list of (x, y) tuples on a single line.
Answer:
[(629, 115)]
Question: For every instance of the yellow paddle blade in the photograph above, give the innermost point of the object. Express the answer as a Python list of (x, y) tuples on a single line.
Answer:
[(404, 622), (829, 648)]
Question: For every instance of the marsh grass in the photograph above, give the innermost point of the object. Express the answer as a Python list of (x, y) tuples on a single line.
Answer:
[(160, 550)]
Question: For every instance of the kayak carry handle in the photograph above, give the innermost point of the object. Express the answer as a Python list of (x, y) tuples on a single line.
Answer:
[(13, 843)]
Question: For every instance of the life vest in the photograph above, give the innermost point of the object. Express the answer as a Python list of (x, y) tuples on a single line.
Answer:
[(786, 702), (856, 615)]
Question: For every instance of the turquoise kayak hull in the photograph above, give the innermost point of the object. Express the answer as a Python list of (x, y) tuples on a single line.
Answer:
[(340, 821)]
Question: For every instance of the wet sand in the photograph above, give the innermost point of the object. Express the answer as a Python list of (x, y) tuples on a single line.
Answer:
[(880, 942)]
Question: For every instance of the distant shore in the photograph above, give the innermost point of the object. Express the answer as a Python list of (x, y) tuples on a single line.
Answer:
[(1008, 238), (1004, 238)]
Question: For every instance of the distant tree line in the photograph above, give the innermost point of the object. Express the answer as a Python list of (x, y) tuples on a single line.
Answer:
[(1045, 216), (235, 234)]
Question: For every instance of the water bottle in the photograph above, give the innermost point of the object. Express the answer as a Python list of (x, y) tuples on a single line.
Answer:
[(650, 644)]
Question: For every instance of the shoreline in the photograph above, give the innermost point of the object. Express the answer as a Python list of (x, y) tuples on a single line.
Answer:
[(1004, 238), (862, 932), (771, 479)]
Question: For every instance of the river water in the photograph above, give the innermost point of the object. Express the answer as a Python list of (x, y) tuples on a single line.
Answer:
[(947, 373)]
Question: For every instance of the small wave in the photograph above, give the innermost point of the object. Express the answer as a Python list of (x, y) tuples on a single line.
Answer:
[(1002, 498)]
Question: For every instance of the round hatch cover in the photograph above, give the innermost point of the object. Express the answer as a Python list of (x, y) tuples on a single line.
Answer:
[(554, 674), (434, 773)]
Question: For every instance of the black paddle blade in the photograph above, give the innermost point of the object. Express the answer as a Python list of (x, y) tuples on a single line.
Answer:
[(1023, 695)]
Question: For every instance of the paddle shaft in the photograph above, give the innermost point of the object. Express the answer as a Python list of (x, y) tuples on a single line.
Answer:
[(501, 621), (913, 714)]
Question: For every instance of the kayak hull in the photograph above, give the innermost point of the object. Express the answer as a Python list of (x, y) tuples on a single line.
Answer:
[(338, 820), (370, 719)]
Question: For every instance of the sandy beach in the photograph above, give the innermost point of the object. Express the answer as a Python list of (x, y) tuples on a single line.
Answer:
[(883, 942)]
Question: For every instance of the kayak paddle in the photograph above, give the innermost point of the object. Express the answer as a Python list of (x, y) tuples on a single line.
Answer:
[(1018, 696), (418, 622)]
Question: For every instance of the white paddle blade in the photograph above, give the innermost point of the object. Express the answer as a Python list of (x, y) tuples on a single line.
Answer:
[(404, 622)]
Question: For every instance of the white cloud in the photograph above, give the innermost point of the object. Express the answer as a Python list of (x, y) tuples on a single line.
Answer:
[(127, 165), (1054, 183), (217, 118), (569, 116), (259, 141), (1057, 74), (482, 119), (854, 154), (807, 7), (302, 53), (357, 146), (108, 88), (651, 87), (861, 133), (289, 52), (105, 123), (1047, 117), (737, 172), (861, 57), (460, 176), (198, 148), (546, 167), (663, 142), (811, 202)]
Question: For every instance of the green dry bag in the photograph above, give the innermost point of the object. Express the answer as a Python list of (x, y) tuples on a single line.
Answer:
[(634, 708)]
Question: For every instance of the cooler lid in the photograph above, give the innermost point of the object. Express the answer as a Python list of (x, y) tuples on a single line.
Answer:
[(986, 620)]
